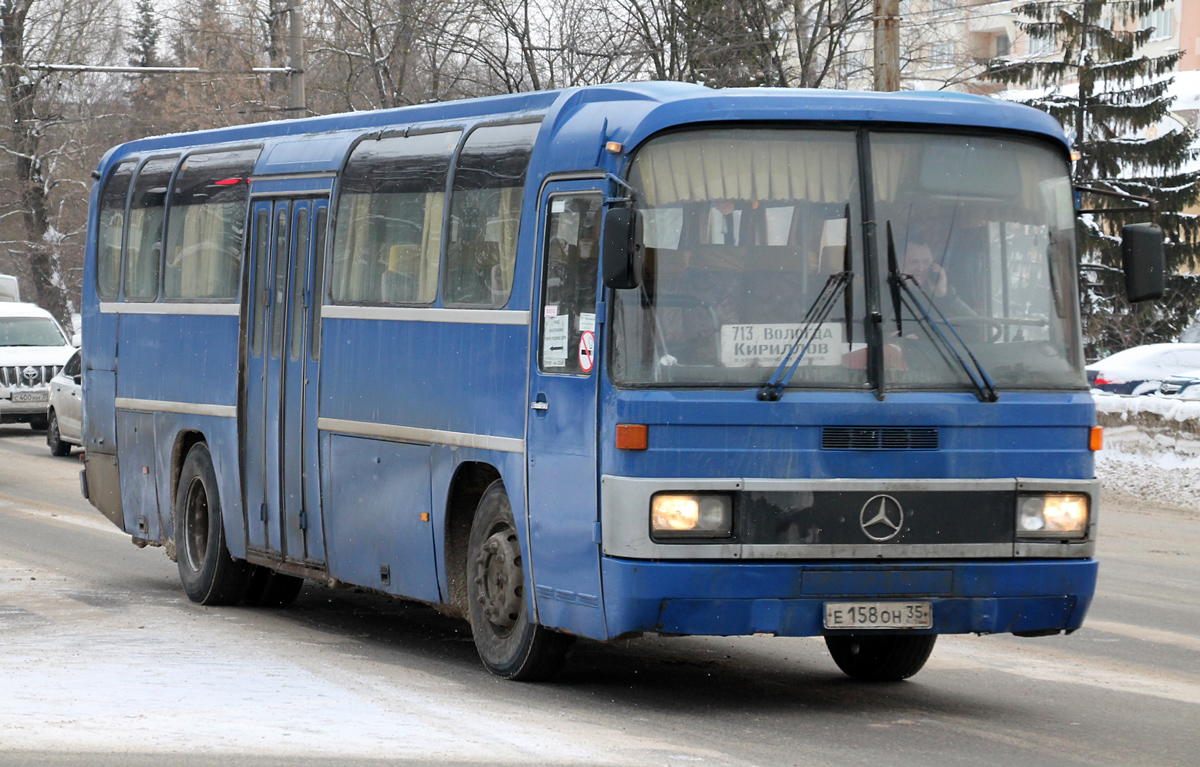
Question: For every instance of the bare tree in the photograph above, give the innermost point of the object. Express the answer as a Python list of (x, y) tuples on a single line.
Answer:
[(724, 43), (533, 45), (371, 54), (820, 37), (43, 143)]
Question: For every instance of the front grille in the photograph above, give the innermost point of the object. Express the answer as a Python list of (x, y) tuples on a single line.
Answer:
[(878, 438), (13, 376)]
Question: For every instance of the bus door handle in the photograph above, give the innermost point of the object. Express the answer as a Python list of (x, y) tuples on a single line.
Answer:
[(540, 405)]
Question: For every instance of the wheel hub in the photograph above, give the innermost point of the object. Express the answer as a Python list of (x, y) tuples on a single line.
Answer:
[(196, 525), (499, 579)]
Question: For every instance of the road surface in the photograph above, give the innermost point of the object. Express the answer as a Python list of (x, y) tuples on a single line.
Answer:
[(106, 662)]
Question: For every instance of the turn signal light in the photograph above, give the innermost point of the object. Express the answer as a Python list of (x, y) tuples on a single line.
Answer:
[(632, 436), (1096, 439)]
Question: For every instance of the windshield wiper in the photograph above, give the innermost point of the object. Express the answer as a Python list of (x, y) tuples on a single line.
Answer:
[(837, 284), (904, 296)]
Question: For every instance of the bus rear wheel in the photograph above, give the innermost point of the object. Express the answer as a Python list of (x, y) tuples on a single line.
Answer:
[(210, 575), (509, 644), (881, 658)]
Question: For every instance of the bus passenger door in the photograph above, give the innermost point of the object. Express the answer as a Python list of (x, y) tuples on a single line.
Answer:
[(300, 517), (253, 423), (561, 436)]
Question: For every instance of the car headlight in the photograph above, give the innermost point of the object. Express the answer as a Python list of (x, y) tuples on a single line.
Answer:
[(702, 515), (1052, 516)]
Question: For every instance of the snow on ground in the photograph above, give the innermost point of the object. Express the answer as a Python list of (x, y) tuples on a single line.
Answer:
[(1151, 448)]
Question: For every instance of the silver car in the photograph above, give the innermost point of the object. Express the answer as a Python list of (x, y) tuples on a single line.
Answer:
[(64, 416)]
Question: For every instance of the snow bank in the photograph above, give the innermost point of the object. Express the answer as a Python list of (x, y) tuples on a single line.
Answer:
[(1151, 448)]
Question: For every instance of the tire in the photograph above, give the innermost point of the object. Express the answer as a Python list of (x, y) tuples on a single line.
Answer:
[(267, 588), (38, 423), (54, 438), (880, 658), (210, 576), (509, 644)]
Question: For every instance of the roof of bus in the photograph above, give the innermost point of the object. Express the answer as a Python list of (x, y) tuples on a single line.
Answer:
[(582, 120)]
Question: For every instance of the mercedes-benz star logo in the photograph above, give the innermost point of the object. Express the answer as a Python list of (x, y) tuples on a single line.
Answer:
[(881, 518), (30, 373)]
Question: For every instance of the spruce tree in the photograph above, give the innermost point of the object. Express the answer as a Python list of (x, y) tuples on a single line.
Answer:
[(144, 49), (1106, 93)]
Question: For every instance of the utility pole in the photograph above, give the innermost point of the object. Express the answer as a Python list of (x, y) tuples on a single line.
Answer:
[(297, 103), (887, 45)]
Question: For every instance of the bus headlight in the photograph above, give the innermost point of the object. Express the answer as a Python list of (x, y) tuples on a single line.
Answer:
[(708, 515), (1052, 516)]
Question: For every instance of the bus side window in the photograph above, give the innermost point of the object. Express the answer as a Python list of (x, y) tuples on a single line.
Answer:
[(387, 241), (143, 246), (112, 226), (205, 225), (569, 278), (485, 215)]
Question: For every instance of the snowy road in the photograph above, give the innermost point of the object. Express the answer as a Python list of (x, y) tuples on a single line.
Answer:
[(105, 662)]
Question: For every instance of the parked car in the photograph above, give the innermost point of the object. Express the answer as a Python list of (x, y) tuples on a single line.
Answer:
[(1182, 386), (64, 417), (1142, 369), (33, 348)]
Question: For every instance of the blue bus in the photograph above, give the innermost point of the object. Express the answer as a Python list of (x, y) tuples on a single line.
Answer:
[(609, 360)]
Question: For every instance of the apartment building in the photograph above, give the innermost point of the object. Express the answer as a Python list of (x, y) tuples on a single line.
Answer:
[(947, 42)]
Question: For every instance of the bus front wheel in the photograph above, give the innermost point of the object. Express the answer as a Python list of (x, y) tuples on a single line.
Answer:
[(887, 658), (210, 576), (510, 645)]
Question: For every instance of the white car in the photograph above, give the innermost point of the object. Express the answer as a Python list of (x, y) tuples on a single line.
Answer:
[(64, 417), (33, 348), (1142, 369)]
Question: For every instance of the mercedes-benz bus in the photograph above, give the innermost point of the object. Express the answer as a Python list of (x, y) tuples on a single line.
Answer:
[(609, 360)]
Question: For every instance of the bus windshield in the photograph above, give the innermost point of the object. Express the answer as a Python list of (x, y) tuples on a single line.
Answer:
[(755, 252)]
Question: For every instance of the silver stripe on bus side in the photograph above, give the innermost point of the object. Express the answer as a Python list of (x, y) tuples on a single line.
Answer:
[(425, 314), (167, 406), (124, 307), (427, 436)]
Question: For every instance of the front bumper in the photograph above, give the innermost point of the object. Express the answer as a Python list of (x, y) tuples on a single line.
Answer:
[(37, 407), (788, 598)]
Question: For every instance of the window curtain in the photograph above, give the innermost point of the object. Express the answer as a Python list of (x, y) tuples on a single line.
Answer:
[(354, 267), (431, 244), (509, 221), (690, 169)]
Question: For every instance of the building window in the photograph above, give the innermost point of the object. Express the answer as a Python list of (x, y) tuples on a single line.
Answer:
[(941, 54), (1003, 46), (1042, 46), (1162, 22)]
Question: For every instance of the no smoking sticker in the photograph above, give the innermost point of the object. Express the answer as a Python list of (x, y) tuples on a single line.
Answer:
[(587, 351)]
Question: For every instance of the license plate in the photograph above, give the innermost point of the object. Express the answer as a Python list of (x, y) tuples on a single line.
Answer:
[(878, 615), (30, 396)]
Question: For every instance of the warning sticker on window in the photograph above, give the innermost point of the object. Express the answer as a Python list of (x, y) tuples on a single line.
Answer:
[(587, 351), (765, 345), (554, 341)]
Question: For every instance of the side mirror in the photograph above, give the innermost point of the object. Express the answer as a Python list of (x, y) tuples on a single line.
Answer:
[(622, 248), (1143, 262)]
